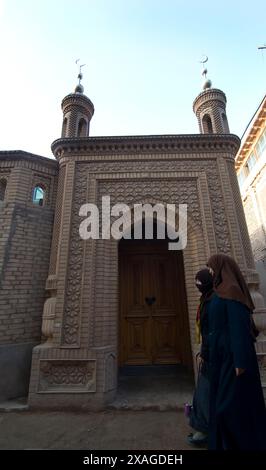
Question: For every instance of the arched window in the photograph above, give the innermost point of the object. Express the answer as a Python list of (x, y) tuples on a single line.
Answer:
[(207, 124), (2, 189), (64, 128), (82, 128), (38, 195)]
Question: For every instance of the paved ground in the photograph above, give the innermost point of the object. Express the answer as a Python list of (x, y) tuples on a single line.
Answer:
[(125, 430), (142, 388), (146, 414)]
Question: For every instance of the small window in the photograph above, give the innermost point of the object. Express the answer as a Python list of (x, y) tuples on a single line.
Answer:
[(38, 196), (82, 128), (64, 128), (261, 145), (251, 161), (207, 124), (241, 178), (246, 169), (2, 189)]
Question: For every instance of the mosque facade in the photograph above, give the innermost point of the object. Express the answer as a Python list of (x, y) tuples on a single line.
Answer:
[(73, 311)]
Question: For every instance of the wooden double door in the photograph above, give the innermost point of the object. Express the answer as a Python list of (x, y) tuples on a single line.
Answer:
[(153, 311)]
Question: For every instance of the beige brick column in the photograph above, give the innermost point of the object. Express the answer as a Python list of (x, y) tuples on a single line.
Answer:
[(49, 310), (57, 279)]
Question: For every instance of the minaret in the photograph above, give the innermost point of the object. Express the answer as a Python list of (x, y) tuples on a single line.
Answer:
[(209, 107), (77, 112)]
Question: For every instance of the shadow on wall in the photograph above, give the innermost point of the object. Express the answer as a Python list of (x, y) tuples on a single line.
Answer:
[(15, 365)]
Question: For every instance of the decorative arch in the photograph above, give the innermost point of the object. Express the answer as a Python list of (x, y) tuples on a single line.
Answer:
[(194, 258), (139, 220), (207, 124), (82, 127), (64, 127)]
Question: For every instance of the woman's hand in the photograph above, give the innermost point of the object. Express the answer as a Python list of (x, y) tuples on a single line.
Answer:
[(200, 360), (239, 371)]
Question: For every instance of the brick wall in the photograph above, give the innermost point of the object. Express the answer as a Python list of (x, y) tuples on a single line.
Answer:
[(26, 237), (25, 240)]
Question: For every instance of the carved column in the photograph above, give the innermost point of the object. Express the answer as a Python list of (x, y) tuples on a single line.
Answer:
[(53, 307)]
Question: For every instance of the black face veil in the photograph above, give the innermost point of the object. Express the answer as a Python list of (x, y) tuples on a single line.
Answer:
[(205, 279)]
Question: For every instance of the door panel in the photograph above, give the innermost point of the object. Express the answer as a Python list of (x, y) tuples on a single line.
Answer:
[(152, 304), (164, 312), (135, 319), (137, 340), (164, 340)]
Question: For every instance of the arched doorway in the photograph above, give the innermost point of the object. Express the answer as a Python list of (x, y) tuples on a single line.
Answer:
[(153, 323)]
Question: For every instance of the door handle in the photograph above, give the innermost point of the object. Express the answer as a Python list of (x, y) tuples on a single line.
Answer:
[(150, 300)]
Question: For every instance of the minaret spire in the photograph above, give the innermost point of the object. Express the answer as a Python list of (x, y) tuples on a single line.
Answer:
[(207, 82), (77, 111), (79, 88), (210, 106)]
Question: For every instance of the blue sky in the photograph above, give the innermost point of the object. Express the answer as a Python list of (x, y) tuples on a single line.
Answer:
[(142, 64)]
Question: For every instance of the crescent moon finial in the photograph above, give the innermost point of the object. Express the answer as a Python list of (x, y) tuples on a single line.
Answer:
[(207, 83), (204, 59)]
